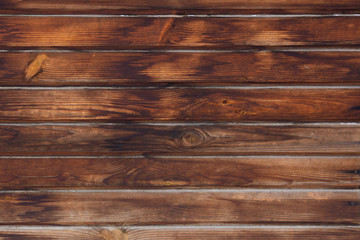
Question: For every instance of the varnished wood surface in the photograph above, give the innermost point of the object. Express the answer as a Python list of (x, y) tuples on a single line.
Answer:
[(180, 104), (179, 207), (156, 6), (182, 233), (185, 68), (184, 32), (191, 139), (180, 172)]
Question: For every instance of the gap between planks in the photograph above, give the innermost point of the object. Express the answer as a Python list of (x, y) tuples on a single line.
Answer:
[(184, 156), (273, 49), (184, 15), (178, 226), (180, 87), (342, 124), (181, 190)]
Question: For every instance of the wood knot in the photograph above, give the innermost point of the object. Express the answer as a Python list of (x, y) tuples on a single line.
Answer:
[(240, 112), (192, 138), (35, 66), (113, 234), (63, 177)]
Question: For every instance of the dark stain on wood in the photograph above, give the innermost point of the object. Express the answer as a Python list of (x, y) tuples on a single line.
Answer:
[(185, 68), (182, 6), (180, 207), (357, 171), (163, 139), (173, 105), (201, 104), (40, 211), (187, 33), (180, 172)]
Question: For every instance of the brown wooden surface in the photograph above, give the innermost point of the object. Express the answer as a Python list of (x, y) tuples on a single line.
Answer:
[(197, 124), (179, 139), (186, 68), (179, 207), (191, 172), (184, 233), (156, 6), (185, 32), (180, 104)]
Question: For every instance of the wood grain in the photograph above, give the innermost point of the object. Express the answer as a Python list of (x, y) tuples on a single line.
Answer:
[(184, 233), (190, 172), (186, 32), (179, 207), (191, 139), (179, 104), (156, 6), (185, 68)]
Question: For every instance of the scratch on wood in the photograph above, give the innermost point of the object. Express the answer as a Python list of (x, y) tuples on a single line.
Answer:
[(166, 29), (34, 67)]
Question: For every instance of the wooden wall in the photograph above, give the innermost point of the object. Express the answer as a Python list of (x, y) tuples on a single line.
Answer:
[(174, 120)]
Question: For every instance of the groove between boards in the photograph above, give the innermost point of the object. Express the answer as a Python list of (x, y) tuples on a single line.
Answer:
[(184, 15), (185, 124), (274, 49), (186, 156), (180, 87), (178, 226), (181, 190)]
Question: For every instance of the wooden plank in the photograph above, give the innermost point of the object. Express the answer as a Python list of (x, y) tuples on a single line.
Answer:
[(128, 6), (205, 68), (167, 172), (179, 207), (179, 104), (194, 139), (182, 233), (184, 32)]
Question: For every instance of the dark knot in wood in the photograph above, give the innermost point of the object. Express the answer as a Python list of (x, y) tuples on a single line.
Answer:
[(192, 138)]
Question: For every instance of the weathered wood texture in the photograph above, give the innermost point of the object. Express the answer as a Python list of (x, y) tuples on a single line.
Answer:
[(156, 172), (183, 233), (188, 32), (186, 68), (179, 207), (156, 6), (110, 161), (180, 104), (178, 139)]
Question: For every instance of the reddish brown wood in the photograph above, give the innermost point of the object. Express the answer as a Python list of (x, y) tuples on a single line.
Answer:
[(184, 233), (156, 172), (162, 6), (185, 32), (190, 139), (186, 68), (184, 104), (179, 207)]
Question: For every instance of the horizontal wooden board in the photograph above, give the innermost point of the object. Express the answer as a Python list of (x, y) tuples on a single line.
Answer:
[(183, 32), (179, 104), (128, 6), (191, 139), (182, 233), (165, 172), (205, 68), (179, 207)]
